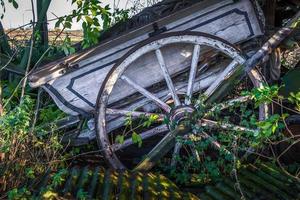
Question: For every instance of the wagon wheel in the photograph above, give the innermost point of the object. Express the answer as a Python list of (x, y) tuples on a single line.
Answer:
[(174, 107)]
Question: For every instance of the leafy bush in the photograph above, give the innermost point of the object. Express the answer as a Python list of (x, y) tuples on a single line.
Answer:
[(25, 152)]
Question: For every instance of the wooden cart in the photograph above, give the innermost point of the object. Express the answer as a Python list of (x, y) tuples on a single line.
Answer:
[(155, 71)]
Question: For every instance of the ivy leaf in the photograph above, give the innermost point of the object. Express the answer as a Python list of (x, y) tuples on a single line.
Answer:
[(68, 25), (136, 139), (59, 21), (15, 4), (29, 173), (120, 139), (89, 20)]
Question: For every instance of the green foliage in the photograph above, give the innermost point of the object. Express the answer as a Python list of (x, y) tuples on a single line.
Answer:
[(82, 194), (2, 3), (15, 122), (295, 99), (14, 3), (95, 19), (58, 178), (22, 193), (263, 94), (131, 126), (26, 150), (136, 139), (269, 126), (120, 139), (211, 163)]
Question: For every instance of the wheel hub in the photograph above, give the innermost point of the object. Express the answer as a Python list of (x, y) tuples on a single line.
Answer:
[(181, 113)]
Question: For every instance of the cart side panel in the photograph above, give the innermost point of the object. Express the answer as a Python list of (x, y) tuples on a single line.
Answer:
[(76, 92)]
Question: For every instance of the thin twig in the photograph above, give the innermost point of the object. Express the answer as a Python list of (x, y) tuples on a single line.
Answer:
[(37, 108), (30, 53), (9, 61)]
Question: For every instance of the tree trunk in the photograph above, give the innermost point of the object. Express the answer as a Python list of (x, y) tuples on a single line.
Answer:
[(41, 19), (44, 25), (4, 45)]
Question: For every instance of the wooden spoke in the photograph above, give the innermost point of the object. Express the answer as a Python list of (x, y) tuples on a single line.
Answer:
[(228, 71), (160, 150), (214, 142), (226, 126), (167, 76), (147, 94), (176, 152), (145, 135), (192, 75), (228, 104), (111, 111)]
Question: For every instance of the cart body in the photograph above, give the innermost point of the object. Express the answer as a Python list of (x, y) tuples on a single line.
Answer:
[(74, 81)]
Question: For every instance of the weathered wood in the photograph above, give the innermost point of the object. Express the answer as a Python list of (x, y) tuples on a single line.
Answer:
[(73, 82), (167, 76), (225, 74), (272, 43), (176, 152), (229, 103), (200, 83), (145, 135), (139, 53), (226, 126), (110, 111), (161, 149), (147, 94), (192, 75)]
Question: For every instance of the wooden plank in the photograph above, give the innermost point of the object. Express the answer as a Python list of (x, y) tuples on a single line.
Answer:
[(208, 8)]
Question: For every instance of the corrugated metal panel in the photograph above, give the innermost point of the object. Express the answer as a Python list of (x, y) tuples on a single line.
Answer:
[(98, 183), (266, 182)]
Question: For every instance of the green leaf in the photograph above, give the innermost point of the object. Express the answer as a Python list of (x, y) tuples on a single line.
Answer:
[(79, 3), (68, 25), (15, 4), (120, 139), (296, 23), (136, 139), (89, 20), (59, 21), (29, 173)]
